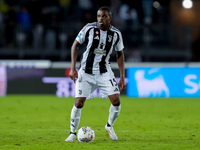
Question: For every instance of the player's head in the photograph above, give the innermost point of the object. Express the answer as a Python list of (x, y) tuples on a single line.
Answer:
[(104, 17)]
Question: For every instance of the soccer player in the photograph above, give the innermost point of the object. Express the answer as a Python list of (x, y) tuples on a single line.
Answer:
[(101, 39)]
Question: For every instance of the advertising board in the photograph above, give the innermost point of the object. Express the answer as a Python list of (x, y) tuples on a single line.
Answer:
[(163, 82)]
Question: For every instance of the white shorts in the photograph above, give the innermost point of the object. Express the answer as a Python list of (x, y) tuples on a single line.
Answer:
[(86, 84)]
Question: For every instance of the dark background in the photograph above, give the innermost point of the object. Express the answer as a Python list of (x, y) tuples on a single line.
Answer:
[(153, 30)]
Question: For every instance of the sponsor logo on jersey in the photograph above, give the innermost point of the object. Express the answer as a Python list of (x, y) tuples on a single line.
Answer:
[(100, 51)]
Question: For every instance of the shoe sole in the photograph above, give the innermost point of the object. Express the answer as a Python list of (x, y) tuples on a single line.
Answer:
[(70, 140)]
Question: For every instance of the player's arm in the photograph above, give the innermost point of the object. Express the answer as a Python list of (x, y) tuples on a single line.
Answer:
[(74, 53), (120, 61)]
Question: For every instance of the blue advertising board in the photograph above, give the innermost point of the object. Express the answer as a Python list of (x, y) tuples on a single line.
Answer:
[(163, 82)]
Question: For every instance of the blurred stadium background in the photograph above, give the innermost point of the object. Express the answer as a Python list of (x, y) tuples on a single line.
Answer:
[(36, 36)]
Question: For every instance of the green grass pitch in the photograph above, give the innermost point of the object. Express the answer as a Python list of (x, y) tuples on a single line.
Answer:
[(41, 122)]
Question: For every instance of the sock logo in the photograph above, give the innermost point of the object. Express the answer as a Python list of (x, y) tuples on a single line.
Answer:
[(73, 125)]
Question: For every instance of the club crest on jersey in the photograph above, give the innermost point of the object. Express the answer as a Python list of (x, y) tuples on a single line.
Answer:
[(109, 38)]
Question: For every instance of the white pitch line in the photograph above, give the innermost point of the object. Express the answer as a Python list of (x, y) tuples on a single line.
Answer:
[(58, 130)]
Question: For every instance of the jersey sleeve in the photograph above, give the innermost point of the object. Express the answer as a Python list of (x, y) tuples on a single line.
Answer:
[(120, 44), (81, 35)]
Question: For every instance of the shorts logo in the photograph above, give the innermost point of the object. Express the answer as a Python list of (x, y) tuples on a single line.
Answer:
[(116, 90), (80, 92)]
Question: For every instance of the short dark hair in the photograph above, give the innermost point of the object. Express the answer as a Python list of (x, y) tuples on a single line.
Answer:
[(106, 8)]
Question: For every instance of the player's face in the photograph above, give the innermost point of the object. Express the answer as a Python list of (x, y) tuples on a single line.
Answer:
[(103, 19)]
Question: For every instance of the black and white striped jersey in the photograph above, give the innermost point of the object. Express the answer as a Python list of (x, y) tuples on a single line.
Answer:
[(99, 46)]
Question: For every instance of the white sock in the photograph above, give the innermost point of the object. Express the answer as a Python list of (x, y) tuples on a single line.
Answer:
[(113, 114), (75, 118)]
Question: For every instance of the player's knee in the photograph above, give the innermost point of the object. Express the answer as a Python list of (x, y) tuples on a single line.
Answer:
[(79, 103), (116, 102)]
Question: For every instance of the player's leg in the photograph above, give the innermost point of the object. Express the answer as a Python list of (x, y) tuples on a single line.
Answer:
[(109, 87), (75, 117), (114, 108), (76, 113), (82, 91), (113, 114)]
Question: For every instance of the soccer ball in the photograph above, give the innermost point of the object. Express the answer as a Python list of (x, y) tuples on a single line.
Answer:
[(85, 134)]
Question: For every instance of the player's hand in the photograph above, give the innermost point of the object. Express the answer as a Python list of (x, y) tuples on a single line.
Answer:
[(122, 84), (73, 74)]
